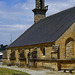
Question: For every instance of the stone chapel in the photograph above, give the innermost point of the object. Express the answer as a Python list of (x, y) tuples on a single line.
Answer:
[(48, 43)]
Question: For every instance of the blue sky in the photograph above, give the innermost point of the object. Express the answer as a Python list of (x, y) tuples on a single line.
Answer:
[(16, 16)]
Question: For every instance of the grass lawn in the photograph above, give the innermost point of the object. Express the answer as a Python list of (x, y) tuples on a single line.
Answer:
[(5, 71)]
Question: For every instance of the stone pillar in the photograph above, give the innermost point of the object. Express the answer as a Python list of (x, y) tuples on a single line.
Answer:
[(41, 54), (38, 52), (8, 55), (17, 57), (26, 55)]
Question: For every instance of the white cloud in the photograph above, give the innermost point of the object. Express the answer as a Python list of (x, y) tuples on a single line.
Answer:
[(55, 7), (26, 5), (21, 12), (14, 27)]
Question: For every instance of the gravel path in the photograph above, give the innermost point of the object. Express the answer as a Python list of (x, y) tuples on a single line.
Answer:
[(38, 72)]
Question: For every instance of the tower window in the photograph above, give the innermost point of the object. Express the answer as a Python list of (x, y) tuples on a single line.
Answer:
[(43, 51)]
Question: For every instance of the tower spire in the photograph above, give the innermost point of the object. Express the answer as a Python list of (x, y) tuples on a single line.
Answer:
[(40, 10)]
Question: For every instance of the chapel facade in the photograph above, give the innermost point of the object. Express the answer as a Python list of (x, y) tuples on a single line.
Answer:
[(48, 43)]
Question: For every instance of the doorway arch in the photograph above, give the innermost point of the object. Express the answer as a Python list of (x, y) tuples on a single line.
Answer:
[(69, 48)]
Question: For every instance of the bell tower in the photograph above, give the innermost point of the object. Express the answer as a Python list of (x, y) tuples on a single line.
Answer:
[(40, 10)]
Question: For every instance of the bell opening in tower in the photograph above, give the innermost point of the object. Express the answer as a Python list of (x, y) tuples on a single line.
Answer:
[(40, 4)]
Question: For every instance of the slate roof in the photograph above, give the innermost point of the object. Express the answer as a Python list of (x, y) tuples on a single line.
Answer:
[(46, 30)]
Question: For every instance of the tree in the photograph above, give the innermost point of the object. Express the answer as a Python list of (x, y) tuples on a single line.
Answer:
[(2, 47)]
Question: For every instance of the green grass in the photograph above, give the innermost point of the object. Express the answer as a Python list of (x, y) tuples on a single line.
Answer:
[(5, 71)]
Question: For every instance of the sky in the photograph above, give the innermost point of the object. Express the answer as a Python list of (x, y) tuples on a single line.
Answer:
[(16, 16)]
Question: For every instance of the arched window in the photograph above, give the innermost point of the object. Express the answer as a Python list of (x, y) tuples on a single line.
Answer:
[(69, 48)]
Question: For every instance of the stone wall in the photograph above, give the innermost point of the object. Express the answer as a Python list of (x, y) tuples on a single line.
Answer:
[(67, 47), (70, 33), (4, 62), (48, 52)]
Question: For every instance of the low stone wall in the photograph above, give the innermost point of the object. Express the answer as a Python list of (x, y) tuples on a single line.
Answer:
[(68, 64), (22, 63), (51, 65), (56, 64), (47, 65), (13, 62), (4, 62)]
